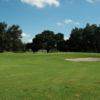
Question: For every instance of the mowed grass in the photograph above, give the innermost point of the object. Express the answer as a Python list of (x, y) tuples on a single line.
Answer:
[(28, 76)]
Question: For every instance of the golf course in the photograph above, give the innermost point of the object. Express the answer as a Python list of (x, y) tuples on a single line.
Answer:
[(42, 76)]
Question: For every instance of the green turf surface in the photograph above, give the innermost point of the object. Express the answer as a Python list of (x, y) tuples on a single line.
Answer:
[(27, 76)]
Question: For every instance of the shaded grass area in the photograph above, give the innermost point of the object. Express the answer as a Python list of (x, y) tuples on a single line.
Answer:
[(27, 76)]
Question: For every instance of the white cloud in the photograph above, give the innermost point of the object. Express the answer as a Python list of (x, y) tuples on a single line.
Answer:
[(25, 35), (77, 23), (42, 3), (26, 38), (68, 22), (29, 40), (66, 37), (92, 1), (59, 24)]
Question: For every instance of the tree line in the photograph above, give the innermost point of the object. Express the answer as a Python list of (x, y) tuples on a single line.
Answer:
[(85, 39)]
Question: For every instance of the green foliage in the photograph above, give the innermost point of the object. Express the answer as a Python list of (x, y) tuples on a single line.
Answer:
[(81, 40), (10, 38), (3, 27), (85, 39), (47, 40), (24, 76)]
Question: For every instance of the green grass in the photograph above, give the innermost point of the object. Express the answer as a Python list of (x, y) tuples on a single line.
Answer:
[(27, 76)]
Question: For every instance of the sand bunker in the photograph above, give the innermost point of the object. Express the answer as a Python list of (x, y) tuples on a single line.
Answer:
[(89, 59)]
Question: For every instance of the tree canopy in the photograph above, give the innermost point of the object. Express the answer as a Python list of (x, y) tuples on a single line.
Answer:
[(85, 39), (47, 40), (10, 38)]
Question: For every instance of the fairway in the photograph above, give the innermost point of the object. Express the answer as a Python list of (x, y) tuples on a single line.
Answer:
[(41, 76)]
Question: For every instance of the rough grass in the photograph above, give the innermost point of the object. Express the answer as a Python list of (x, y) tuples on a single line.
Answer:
[(27, 76)]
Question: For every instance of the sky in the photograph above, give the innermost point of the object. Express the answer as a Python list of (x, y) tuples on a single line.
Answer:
[(35, 16)]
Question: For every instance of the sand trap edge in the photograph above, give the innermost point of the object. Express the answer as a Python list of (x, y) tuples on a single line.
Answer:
[(89, 59)]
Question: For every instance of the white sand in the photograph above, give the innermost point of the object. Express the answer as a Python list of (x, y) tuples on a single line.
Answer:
[(89, 59)]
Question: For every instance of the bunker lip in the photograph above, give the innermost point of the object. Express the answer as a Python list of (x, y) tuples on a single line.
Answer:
[(88, 59)]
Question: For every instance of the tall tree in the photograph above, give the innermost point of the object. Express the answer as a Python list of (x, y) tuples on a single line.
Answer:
[(3, 27), (89, 40), (13, 38), (60, 42), (86, 39), (75, 40), (44, 40)]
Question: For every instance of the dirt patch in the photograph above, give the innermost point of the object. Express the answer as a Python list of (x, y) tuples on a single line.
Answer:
[(89, 59)]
